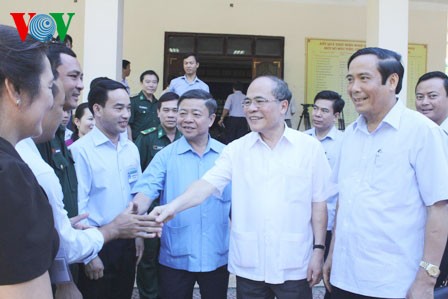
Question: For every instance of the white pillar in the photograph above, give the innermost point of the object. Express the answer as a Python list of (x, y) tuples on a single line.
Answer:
[(387, 27), (103, 40)]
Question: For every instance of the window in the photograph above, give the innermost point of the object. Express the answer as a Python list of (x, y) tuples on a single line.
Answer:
[(180, 44)]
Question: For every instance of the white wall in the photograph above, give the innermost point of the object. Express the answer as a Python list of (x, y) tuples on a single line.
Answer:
[(145, 23)]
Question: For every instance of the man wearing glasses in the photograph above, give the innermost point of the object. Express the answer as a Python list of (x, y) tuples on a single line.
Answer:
[(278, 203)]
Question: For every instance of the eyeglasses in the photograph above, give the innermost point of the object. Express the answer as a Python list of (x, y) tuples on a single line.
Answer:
[(258, 102)]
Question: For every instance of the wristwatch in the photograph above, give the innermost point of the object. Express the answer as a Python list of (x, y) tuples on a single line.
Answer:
[(431, 269), (319, 246)]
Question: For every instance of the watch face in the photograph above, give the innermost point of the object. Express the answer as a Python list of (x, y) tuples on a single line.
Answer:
[(433, 271)]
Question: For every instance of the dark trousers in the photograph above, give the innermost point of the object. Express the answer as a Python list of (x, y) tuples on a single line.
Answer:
[(179, 284), (291, 289), (236, 127), (443, 268), (337, 293), (148, 268), (119, 259)]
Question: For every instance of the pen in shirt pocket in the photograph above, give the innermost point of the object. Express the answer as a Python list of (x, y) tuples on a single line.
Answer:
[(378, 154)]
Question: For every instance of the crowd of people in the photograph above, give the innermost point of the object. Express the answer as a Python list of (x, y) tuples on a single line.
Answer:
[(138, 190)]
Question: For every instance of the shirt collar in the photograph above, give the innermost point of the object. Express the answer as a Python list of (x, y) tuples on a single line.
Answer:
[(196, 79), (184, 146), (330, 135), (392, 118), (288, 135), (143, 97), (161, 133), (99, 138)]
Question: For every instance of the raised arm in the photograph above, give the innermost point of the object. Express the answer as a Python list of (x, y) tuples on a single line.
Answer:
[(193, 196)]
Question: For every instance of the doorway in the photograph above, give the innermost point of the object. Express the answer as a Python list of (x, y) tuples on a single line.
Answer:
[(223, 60)]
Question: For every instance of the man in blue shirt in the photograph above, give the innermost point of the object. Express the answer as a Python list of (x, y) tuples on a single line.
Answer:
[(327, 108), (190, 80), (194, 246), (108, 166)]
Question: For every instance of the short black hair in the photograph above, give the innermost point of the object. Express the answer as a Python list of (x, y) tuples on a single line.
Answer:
[(338, 102), (237, 86), (55, 49), (389, 63), (200, 94), (148, 72), (98, 93), (185, 56), (435, 74), (96, 80), (67, 38), (166, 97), (125, 63)]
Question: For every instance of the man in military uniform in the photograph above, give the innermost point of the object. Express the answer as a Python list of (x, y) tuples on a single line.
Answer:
[(149, 142), (54, 152), (144, 105)]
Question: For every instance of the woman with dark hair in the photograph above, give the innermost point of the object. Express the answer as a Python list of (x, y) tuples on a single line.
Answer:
[(28, 240), (83, 123)]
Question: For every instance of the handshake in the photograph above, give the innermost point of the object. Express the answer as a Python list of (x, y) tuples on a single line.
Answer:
[(129, 224)]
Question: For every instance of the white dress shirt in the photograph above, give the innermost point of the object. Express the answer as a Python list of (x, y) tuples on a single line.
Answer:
[(106, 173), (79, 245), (332, 145), (272, 194), (444, 125), (386, 180)]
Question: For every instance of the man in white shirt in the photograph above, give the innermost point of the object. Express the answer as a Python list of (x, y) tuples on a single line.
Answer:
[(190, 80), (326, 111), (278, 201), (107, 165), (236, 123), (431, 99), (391, 222)]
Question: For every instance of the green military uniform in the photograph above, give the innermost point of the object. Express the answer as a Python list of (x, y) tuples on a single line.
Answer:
[(143, 114), (56, 154), (149, 142)]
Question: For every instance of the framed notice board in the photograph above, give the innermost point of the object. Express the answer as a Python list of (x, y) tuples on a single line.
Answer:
[(326, 68)]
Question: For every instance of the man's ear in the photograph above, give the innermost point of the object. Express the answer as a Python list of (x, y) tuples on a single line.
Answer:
[(212, 120), (393, 81), (97, 109), (285, 106)]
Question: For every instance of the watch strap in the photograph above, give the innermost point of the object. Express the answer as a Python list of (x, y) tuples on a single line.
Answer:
[(319, 246)]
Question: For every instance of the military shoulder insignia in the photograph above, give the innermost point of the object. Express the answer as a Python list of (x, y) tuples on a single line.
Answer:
[(147, 131)]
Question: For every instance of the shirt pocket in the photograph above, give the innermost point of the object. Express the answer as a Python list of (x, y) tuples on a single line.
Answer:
[(293, 250), (60, 162), (386, 163), (177, 240), (244, 249)]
